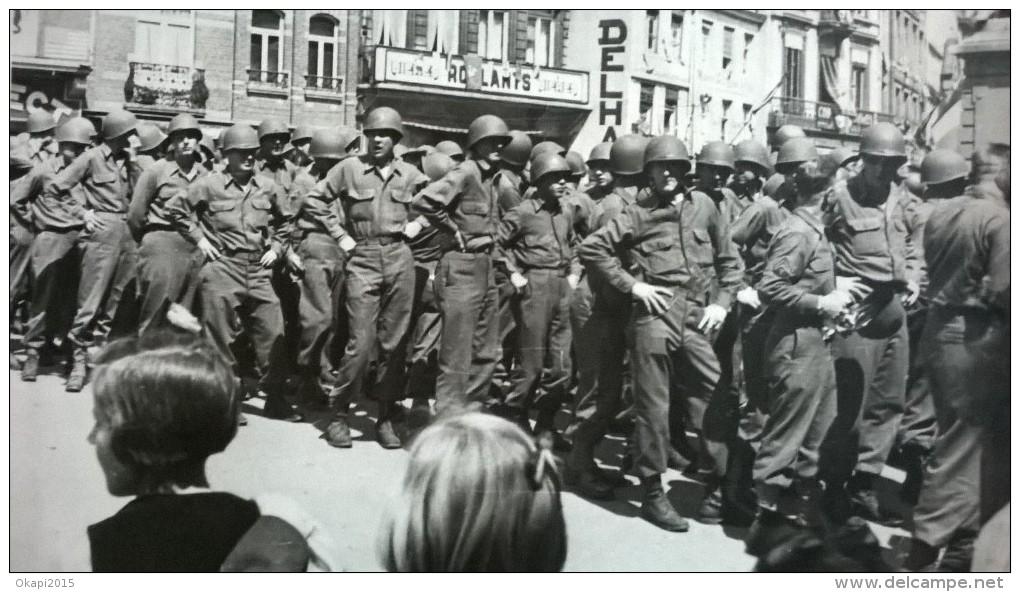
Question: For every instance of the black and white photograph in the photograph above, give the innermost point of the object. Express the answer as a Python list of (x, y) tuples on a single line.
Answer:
[(510, 290)]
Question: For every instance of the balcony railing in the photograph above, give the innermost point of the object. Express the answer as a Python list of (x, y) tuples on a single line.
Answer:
[(326, 83), (821, 116), (273, 81), (167, 87)]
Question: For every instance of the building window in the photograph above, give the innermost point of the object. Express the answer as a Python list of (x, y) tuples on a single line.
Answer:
[(652, 26), (727, 48), (540, 42), (725, 119), (706, 38), (748, 40), (793, 66), (266, 47), (676, 33), (322, 52), (389, 28), (672, 111), (418, 30), (493, 40), (165, 37), (644, 124), (859, 86)]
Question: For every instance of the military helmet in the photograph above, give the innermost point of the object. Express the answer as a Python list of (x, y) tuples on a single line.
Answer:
[(548, 146), (786, 132), (914, 184), (773, 184), (600, 152), (883, 139), (150, 137), (302, 132), (796, 151), (437, 164), (239, 137), (384, 118), (346, 135), (941, 166), (273, 127), (754, 153), (117, 123), (576, 162), (183, 122), (77, 130), (626, 156), (547, 163), (518, 149), (667, 149), (487, 126), (39, 121), (327, 144), (717, 154), (450, 148), (844, 155)]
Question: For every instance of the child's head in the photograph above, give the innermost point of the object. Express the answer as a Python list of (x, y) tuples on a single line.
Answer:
[(478, 496), (161, 408)]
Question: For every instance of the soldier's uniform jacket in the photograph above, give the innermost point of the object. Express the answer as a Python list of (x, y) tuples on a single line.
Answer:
[(966, 244), (538, 235), (29, 197), (156, 187), (106, 182), (658, 242), (715, 208), (252, 218), (463, 201), (282, 173), (870, 239), (370, 204), (510, 188), (753, 230), (799, 268), (615, 202)]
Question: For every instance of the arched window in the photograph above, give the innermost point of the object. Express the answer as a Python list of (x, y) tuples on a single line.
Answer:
[(322, 52), (266, 46)]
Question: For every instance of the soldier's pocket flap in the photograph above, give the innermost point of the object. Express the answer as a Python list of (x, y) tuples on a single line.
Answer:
[(864, 224), (401, 196), (360, 195), (474, 207), (701, 235), (261, 204), (656, 244), (104, 177), (224, 205)]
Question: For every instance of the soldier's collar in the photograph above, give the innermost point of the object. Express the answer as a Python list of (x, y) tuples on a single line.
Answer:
[(254, 180)]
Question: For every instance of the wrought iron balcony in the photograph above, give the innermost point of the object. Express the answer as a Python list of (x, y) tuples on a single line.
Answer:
[(821, 116), (326, 83), (275, 82), (165, 87)]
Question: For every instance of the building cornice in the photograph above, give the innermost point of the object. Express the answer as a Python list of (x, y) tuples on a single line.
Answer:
[(748, 16)]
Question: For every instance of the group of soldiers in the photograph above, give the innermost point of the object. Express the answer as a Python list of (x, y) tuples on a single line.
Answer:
[(778, 322)]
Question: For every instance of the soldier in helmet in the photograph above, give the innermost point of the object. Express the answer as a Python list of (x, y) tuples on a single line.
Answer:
[(465, 203), (784, 133), (672, 315), (375, 192), (873, 251), (152, 143), (168, 263), (451, 149), (55, 255), (301, 141), (799, 286), (240, 221), (106, 175)]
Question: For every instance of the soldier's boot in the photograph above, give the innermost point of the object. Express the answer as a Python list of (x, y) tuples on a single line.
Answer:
[(710, 511), (581, 474), (79, 371), (277, 406), (657, 509), (31, 368), (310, 391), (338, 433)]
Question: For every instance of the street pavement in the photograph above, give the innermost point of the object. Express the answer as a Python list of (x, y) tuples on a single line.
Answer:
[(57, 490)]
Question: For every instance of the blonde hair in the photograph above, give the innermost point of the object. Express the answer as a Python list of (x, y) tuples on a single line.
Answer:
[(478, 496)]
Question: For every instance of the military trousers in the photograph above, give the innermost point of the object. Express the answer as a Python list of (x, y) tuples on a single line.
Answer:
[(469, 305), (918, 426), (56, 265), (109, 265), (801, 405), (380, 295), (542, 314), (322, 290), (20, 256), (426, 329), (673, 363), (168, 266)]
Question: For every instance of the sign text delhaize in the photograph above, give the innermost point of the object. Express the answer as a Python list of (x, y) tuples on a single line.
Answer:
[(554, 84), (612, 38)]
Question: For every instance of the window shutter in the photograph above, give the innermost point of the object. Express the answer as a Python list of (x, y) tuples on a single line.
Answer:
[(417, 29), (468, 32), (519, 36), (561, 31)]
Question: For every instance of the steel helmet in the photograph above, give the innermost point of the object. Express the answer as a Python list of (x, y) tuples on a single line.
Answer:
[(518, 149), (117, 123), (239, 137), (576, 163), (796, 151), (273, 127), (346, 135), (487, 126), (913, 183), (626, 157), (883, 139), (754, 153), (600, 152), (786, 132), (384, 118), (547, 163), (150, 137), (302, 132), (885, 316), (77, 130), (667, 149), (426, 149), (207, 146), (327, 144), (450, 148), (941, 166), (717, 154), (773, 185), (548, 146), (844, 155), (40, 121), (183, 122), (437, 164)]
